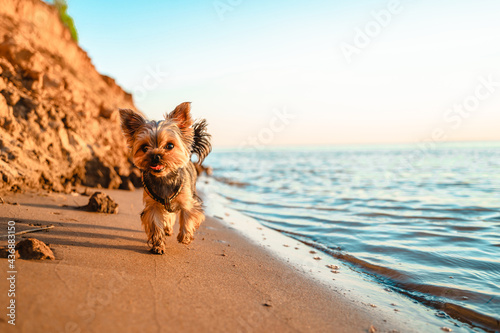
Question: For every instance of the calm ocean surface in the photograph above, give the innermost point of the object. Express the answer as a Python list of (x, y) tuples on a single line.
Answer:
[(424, 222)]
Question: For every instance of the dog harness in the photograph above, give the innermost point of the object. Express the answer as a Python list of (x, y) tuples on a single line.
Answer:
[(167, 202)]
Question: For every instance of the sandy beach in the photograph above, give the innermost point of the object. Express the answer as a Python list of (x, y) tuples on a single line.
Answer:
[(343, 193), (104, 279)]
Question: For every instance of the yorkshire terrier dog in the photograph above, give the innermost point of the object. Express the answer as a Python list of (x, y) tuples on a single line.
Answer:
[(162, 150)]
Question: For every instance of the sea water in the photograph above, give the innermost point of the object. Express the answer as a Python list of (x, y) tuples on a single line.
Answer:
[(422, 220)]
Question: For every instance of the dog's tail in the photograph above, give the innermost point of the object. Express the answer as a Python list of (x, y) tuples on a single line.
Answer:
[(201, 140)]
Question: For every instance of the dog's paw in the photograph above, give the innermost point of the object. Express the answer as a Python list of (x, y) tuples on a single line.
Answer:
[(157, 250), (168, 231), (184, 238)]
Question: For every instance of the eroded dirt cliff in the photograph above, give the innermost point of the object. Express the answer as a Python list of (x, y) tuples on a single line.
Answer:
[(59, 123)]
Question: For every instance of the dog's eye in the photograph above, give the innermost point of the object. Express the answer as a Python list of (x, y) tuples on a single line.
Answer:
[(144, 148), (169, 146)]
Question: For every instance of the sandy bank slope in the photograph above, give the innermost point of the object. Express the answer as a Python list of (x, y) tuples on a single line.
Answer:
[(104, 280)]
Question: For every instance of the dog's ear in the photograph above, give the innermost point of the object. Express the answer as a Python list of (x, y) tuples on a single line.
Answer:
[(131, 121), (181, 115)]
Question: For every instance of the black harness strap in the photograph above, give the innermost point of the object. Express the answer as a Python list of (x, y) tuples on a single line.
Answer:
[(167, 202)]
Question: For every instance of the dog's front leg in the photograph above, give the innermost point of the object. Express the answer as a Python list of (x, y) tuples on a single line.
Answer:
[(189, 221), (153, 219)]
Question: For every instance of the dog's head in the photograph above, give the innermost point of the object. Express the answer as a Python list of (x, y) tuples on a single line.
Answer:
[(159, 147)]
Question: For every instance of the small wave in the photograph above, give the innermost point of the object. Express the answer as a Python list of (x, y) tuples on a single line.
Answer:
[(468, 228), (460, 210), (231, 182), (471, 316), (452, 184), (279, 206), (437, 218), (283, 219)]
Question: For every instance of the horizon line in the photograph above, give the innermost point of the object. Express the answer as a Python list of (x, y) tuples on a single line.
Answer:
[(358, 144)]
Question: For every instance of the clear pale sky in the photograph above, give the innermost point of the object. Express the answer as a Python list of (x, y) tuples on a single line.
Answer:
[(239, 61)]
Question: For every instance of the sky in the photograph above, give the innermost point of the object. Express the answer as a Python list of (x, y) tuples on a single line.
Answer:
[(306, 72)]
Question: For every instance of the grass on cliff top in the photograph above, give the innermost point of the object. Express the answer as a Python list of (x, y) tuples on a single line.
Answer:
[(62, 8)]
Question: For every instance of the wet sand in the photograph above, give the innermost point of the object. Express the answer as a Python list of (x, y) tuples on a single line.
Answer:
[(105, 280)]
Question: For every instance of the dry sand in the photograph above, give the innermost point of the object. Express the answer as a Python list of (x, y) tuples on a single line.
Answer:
[(105, 280)]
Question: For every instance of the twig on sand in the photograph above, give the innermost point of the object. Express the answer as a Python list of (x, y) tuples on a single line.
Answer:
[(28, 231)]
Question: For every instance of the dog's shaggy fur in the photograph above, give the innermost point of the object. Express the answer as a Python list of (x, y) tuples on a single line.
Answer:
[(162, 150)]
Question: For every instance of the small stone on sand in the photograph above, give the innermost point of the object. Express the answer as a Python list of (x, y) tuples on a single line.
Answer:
[(32, 248), (446, 329), (101, 203), (372, 329)]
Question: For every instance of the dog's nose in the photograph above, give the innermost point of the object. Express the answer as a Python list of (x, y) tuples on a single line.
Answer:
[(156, 158)]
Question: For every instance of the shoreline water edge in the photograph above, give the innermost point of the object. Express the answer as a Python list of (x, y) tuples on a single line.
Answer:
[(428, 231), (104, 279), (335, 274)]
